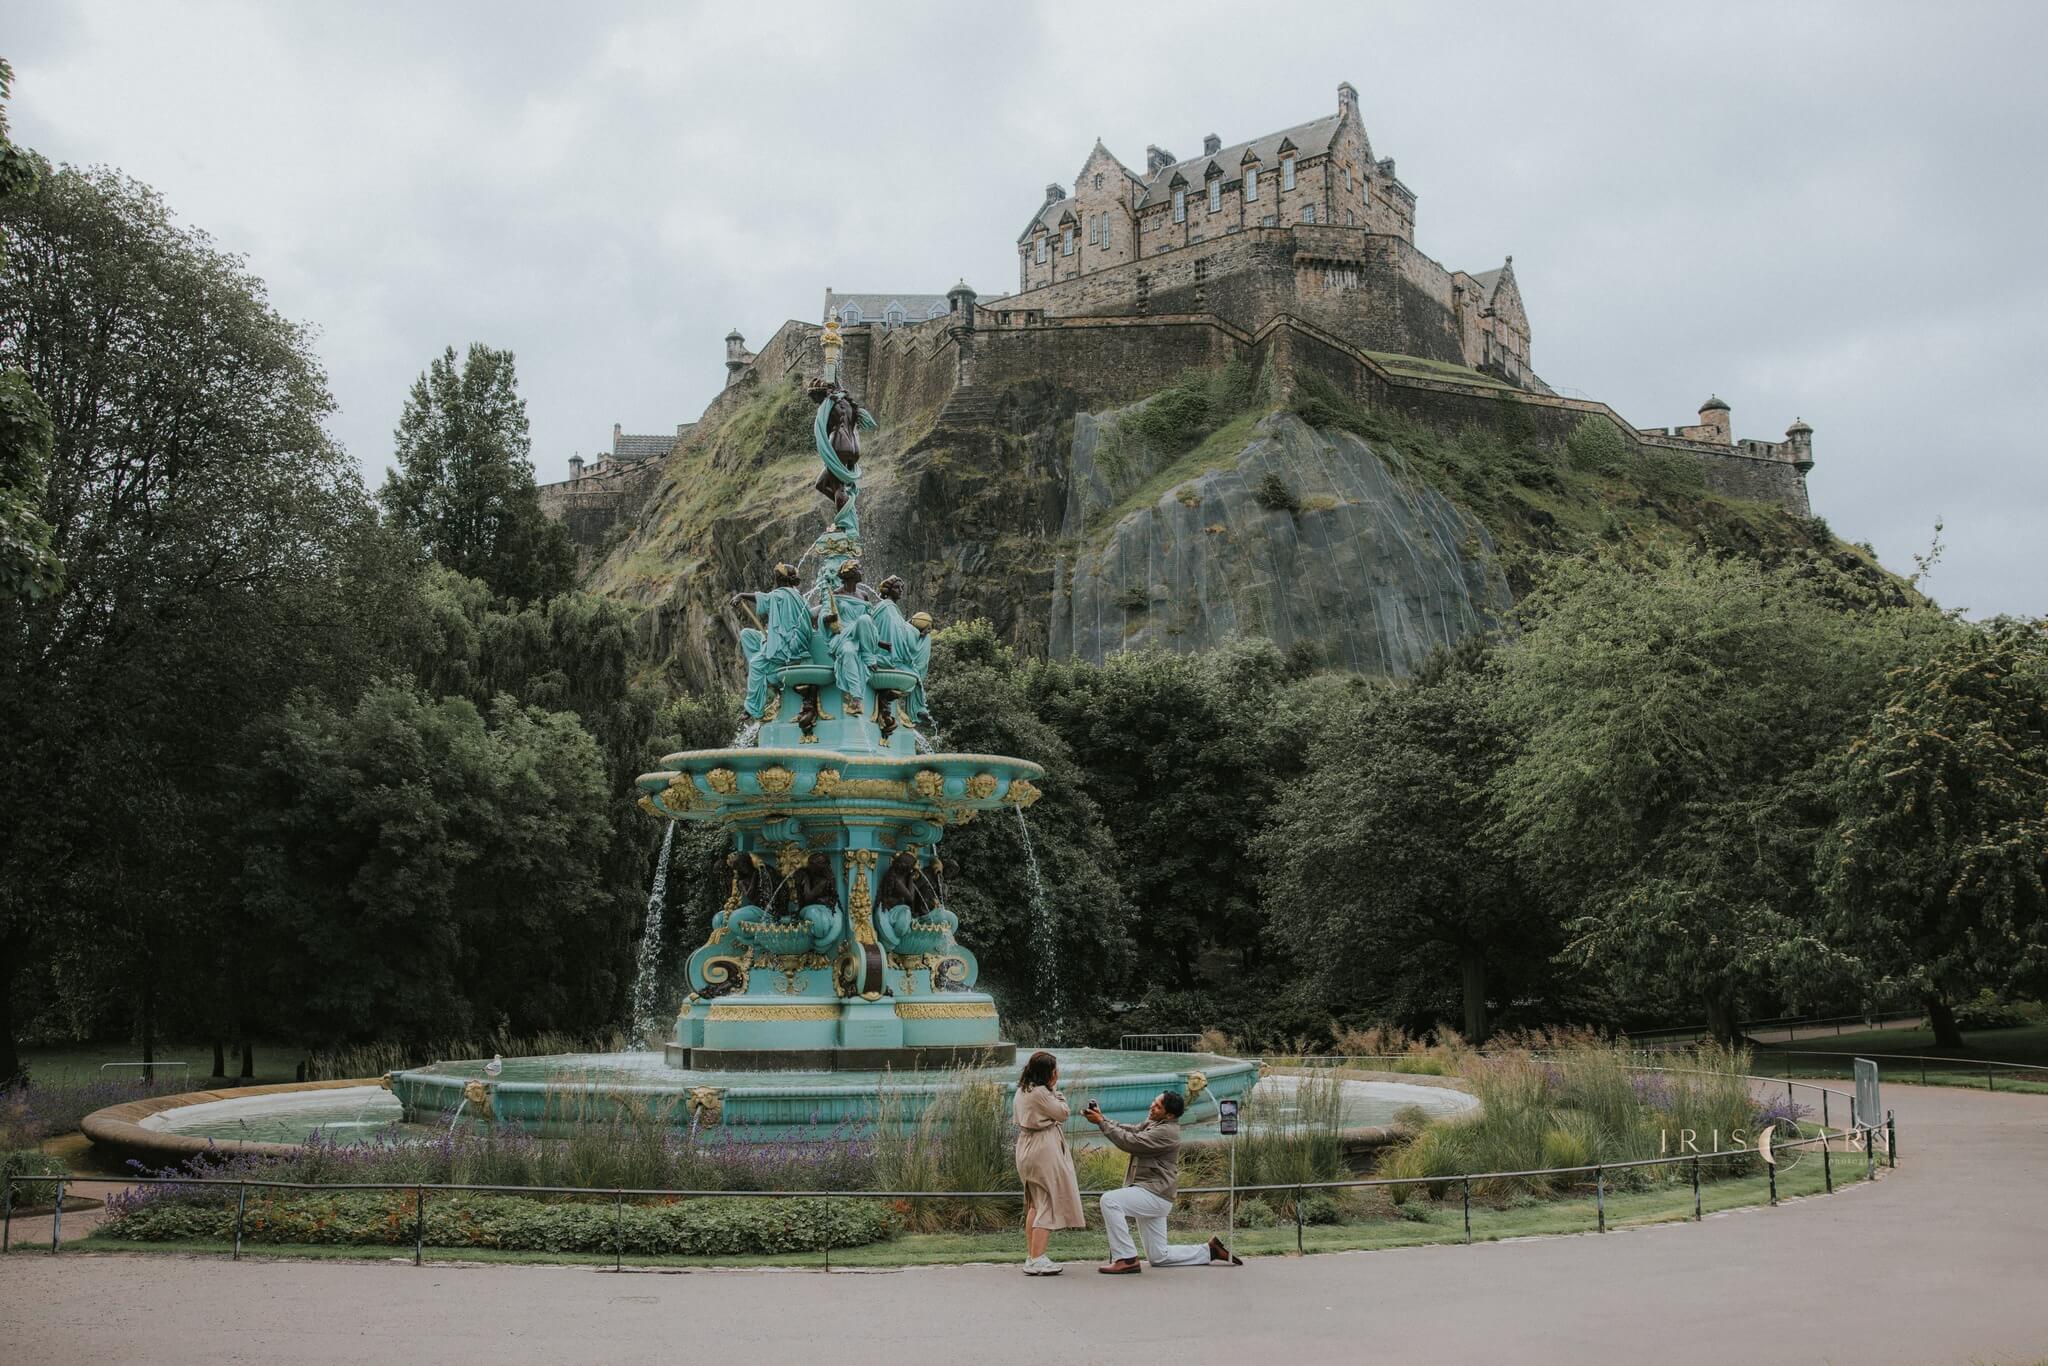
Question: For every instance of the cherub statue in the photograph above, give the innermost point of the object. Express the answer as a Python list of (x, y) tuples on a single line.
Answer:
[(817, 897), (895, 901)]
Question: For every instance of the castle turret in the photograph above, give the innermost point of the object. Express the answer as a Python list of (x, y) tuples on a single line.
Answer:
[(960, 300), (1799, 437), (576, 466), (735, 356), (1714, 415), (1157, 159), (1211, 145), (1347, 99)]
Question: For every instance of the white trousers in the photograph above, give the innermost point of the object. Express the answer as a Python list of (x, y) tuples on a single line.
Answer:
[(1133, 1202)]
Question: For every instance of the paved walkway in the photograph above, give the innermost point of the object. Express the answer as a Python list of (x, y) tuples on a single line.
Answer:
[(1940, 1262)]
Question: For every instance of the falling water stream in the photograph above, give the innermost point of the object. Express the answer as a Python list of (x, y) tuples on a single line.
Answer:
[(1045, 933), (646, 1024)]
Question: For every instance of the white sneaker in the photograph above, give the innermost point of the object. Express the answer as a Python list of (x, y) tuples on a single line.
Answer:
[(1042, 1266)]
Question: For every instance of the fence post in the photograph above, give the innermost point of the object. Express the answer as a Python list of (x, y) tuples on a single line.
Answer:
[(6, 1211), (241, 1204), (1827, 1167), (1600, 1196), (1774, 1180), (618, 1230), (1891, 1140), (1298, 1245), (1824, 1094), (1870, 1153), (57, 1218), (1468, 1209), (419, 1224), (1696, 1215), (1923, 1069)]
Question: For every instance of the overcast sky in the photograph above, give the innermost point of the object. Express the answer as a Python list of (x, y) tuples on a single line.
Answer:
[(1828, 211)]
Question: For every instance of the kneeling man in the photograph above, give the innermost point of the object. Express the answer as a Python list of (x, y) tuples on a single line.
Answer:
[(1150, 1183)]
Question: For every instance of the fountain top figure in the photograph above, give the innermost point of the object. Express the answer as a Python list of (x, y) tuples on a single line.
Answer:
[(835, 948)]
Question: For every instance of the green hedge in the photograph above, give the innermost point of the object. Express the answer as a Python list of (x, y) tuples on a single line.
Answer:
[(689, 1228)]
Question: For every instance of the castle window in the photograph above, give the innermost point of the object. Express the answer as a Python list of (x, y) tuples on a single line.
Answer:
[(893, 315), (1287, 173), (1365, 191), (1180, 206), (1098, 181), (1041, 250), (849, 313), (1347, 180), (1066, 241), (1308, 213), (1215, 194), (1094, 229), (1251, 184)]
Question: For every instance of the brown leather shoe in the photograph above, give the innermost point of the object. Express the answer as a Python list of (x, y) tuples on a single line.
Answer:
[(1220, 1255), (1123, 1266)]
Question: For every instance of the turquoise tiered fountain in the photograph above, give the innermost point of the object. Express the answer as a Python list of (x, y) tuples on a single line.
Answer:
[(833, 962)]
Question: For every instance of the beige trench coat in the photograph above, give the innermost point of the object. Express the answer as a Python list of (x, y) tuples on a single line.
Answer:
[(1047, 1169)]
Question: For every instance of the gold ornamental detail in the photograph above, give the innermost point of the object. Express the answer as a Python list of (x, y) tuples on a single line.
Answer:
[(930, 783), (707, 1104), (860, 904), (982, 786), (647, 804), (680, 794), (945, 1010), (723, 781), (776, 780), (1197, 1083), (774, 707), (1022, 793), (772, 1012)]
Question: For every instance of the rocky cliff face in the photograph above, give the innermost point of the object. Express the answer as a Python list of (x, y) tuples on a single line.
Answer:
[(1171, 523), (1302, 536)]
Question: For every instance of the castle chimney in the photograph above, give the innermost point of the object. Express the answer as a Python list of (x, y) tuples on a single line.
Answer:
[(1211, 145), (1054, 194), (1158, 159), (1714, 414), (618, 430), (1347, 99)]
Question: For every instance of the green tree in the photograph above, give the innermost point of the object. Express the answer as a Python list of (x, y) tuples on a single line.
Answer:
[(218, 549), (1389, 875), (425, 869), (464, 482), (1934, 876), (1072, 948), (1673, 720), (1166, 742), (28, 568)]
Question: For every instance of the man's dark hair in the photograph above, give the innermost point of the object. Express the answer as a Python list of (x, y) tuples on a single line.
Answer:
[(1174, 1102)]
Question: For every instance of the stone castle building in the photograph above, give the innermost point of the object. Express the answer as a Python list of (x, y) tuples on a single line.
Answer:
[(1295, 249), (1305, 221)]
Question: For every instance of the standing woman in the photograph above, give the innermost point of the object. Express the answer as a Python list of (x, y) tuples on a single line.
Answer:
[(1052, 1195)]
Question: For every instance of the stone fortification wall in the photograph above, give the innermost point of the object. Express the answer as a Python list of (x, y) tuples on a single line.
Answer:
[(1760, 470), (793, 350), (1374, 289), (1103, 360), (902, 371), (591, 506)]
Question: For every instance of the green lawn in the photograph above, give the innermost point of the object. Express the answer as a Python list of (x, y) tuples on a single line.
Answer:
[(1432, 1222), (2025, 1044)]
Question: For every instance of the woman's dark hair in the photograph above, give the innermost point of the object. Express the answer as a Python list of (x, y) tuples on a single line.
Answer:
[(1174, 1102), (1038, 1070)]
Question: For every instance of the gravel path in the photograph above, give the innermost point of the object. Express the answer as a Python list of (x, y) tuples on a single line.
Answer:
[(1941, 1261)]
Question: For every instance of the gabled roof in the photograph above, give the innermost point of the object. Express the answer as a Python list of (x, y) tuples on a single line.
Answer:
[(628, 446), (1304, 140), (873, 307)]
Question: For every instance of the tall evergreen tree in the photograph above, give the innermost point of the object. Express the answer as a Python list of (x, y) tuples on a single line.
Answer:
[(464, 483)]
